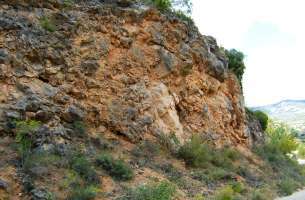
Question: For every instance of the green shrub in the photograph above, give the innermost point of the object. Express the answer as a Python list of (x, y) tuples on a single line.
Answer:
[(41, 159), (83, 193), (213, 174), (68, 3), (81, 165), (226, 193), (238, 187), (263, 194), (281, 139), (236, 62), (47, 24), (79, 128), (195, 153), (198, 197), (186, 70), (161, 191), (287, 186), (115, 168), (224, 157), (162, 5), (262, 118), (25, 131)]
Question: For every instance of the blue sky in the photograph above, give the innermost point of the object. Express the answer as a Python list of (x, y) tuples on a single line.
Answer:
[(271, 33)]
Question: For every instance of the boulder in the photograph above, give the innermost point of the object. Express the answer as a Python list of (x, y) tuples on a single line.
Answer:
[(73, 113), (89, 67)]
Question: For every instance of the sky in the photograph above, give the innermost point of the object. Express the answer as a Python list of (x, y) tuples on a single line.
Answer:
[(271, 33)]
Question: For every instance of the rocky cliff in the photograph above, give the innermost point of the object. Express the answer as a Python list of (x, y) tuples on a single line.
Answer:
[(125, 71)]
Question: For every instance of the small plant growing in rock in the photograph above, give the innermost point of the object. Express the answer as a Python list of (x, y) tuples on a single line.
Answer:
[(68, 3), (25, 131), (115, 168), (79, 128), (83, 193), (287, 186), (81, 165), (47, 24), (186, 70)]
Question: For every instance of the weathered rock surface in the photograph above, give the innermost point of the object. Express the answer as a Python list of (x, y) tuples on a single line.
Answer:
[(106, 65)]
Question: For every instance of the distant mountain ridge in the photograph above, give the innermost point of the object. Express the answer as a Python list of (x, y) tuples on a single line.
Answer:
[(289, 111)]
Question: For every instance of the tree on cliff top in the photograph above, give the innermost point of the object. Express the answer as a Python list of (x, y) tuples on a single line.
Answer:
[(184, 6), (236, 62)]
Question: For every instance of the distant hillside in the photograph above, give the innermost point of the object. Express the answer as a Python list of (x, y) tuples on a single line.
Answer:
[(291, 112)]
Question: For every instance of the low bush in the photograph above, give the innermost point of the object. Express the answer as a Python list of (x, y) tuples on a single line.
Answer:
[(79, 128), (25, 131), (224, 157), (39, 159), (68, 3), (169, 142), (225, 193), (81, 165), (161, 191), (262, 194), (287, 186), (238, 187), (195, 153), (211, 175), (83, 193), (115, 168), (47, 24), (262, 118)]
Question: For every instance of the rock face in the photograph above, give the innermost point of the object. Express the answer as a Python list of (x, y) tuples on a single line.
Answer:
[(124, 67)]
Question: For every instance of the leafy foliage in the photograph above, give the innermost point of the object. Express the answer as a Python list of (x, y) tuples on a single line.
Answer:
[(287, 186), (116, 168), (280, 138), (236, 62), (25, 131), (81, 165), (181, 8), (83, 193), (162, 191), (47, 24), (277, 150), (163, 5), (225, 193), (195, 153), (262, 118)]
